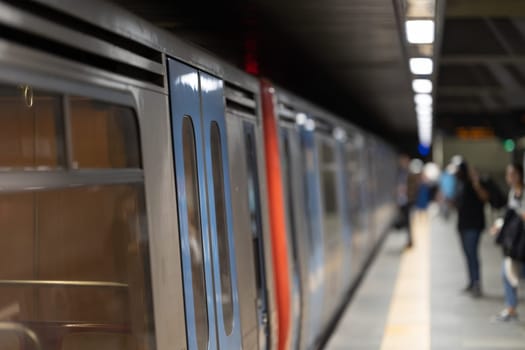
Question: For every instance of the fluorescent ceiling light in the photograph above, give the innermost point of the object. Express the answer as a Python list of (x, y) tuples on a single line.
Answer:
[(425, 138), (421, 65), (422, 86), (423, 100), (420, 31), (301, 118), (421, 109), (424, 119), (424, 128)]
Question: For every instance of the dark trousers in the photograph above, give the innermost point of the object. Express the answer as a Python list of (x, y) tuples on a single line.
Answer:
[(405, 212), (470, 242)]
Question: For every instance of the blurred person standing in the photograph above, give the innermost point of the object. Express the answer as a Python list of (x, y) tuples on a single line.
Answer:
[(511, 267), (470, 200), (406, 192), (447, 189)]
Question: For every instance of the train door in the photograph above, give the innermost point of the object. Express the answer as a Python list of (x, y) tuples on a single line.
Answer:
[(366, 199), (330, 220), (372, 191), (289, 148), (316, 273), (343, 199), (204, 208), (354, 184), (254, 205)]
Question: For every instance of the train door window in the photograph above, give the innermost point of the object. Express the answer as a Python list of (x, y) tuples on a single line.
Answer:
[(256, 227), (103, 135), (74, 265), (195, 233), (30, 129), (331, 221), (222, 231), (287, 165)]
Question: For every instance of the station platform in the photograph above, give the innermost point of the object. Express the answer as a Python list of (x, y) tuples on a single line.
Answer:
[(412, 300)]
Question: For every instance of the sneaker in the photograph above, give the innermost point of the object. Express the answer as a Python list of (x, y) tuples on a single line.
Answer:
[(475, 291), (467, 289), (505, 316)]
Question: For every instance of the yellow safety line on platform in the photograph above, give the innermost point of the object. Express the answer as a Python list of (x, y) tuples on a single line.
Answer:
[(408, 325)]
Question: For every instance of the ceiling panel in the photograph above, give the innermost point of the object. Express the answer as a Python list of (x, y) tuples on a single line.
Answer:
[(345, 55), (482, 66)]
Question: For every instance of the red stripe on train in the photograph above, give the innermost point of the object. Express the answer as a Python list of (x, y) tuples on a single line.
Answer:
[(277, 214)]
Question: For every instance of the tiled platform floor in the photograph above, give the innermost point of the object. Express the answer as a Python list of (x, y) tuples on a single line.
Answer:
[(412, 300)]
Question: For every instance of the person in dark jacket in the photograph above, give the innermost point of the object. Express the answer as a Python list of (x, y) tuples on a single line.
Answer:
[(471, 197)]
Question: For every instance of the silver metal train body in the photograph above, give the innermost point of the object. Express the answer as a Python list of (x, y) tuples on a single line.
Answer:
[(134, 193)]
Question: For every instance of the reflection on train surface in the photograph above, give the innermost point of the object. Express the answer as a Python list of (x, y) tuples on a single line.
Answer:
[(154, 197)]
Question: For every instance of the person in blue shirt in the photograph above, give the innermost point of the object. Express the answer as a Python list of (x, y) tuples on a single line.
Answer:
[(447, 188)]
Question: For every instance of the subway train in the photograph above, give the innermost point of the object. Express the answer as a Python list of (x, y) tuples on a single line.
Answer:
[(153, 196)]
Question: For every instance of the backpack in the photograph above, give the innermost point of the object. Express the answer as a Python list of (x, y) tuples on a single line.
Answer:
[(512, 236)]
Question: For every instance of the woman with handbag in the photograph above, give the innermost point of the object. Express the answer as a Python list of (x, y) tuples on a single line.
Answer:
[(511, 266)]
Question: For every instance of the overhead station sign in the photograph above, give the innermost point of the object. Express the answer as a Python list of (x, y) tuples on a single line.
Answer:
[(475, 133)]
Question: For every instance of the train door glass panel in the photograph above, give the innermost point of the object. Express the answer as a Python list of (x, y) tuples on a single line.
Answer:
[(256, 227), (219, 192), (222, 231), (195, 232), (74, 264)]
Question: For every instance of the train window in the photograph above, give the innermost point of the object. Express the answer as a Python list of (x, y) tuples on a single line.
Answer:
[(288, 188), (195, 233), (353, 183), (30, 129), (329, 186), (221, 226), (103, 135), (77, 256)]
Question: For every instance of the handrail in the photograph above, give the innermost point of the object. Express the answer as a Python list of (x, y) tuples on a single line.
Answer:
[(19, 328), (51, 283)]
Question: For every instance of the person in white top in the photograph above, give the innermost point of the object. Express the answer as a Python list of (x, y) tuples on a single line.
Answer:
[(511, 267)]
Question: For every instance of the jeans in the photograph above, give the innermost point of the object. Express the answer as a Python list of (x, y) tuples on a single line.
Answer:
[(470, 242), (511, 292), (405, 211)]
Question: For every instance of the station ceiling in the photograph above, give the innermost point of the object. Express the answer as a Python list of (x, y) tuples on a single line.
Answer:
[(350, 57), (346, 56), (481, 79)]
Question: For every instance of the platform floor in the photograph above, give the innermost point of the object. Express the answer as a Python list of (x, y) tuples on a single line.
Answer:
[(412, 300)]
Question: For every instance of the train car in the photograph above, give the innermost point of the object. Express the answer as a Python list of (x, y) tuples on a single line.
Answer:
[(330, 190), (153, 196)]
